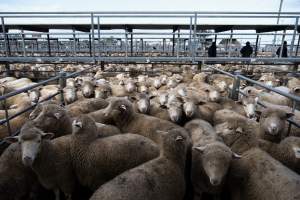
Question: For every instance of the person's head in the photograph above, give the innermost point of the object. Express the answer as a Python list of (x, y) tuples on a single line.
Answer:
[(213, 44), (284, 43), (248, 43)]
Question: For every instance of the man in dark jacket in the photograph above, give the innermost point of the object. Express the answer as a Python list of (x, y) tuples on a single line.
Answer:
[(284, 50), (212, 50), (247, 50)]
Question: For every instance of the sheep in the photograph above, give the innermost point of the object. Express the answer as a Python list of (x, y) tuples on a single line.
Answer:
[(273, 124), (16, 181), (86, 106), (200, 77), (223, 115), (120, 110), (50, 160), (52, 118), (211, 92), (287, 151), (211, 158), (88, 89), (257, 176), (238, 133), (103, 91), (118, 153), (70, 94), (48, 90), (269, 80), (17, 122), (142, 102), (160, 178)]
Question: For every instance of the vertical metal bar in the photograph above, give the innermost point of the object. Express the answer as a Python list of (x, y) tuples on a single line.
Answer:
[(4, 37), (131, 44), (216, 37), (256, 45), (6, 118), (190, 36), (294, 37), (164, 44), (282, 41), (62, 85), (194, 37), (296, 53), (236, 86), (126, 40), (23, 42), (278, 18), (178, 43), (93, 34), (74, 42), (90, 45), (48, 44), (293, 111), (230, 43), (173, 43), (142, 43), (98, 27)]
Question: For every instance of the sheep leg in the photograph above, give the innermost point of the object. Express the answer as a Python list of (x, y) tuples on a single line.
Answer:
[(197, 195), (57, 194)]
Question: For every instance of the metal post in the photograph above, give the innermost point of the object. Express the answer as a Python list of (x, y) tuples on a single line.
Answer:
[(131, 44), (74, 42), (102, 65), (230, 43), (296, 53), (164, 43), (48, 44), (98, 27), (236, 86), (278, 18), (126, 40), (6, 118), (294, 37), (190, 36), (142, 43), (93, 35), (62, 85), (6, 45), (256, 45), (282, 41), (23, 42), (173, 43), (178, 43), (216, 37), (90, 44), (194, 37)]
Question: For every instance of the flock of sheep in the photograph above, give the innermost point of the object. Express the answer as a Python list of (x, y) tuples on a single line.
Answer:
[(171, 136)]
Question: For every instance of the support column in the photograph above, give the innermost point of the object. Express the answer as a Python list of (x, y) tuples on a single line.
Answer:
[(48, 44), (74, 42), (173, 43), (282, 41), (23, 42), (131, 44), (296, 54), (230, 42), (256, 45), (93, 35), (294, 37)]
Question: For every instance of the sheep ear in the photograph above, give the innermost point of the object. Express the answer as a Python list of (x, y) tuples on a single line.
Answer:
[(297, 152), (161, 132), (132, 98), (123, 107), (258, 112), (256, 100), (236, 156), (11, 140), (296, 89), (152, 96), (57, 115), (289, 114), (47, 136), (239, 130), (200, 149)]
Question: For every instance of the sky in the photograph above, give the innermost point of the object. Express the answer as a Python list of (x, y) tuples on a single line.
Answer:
[(146, 5)]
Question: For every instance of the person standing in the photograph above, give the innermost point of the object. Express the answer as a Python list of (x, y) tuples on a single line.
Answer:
[(247, 50), (212, 50), (284, 50)]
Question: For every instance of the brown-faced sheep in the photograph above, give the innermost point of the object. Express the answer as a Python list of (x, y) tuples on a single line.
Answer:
[(50, 160), (273, 124), (121, 112), (258, 176), (161, 178), (118, 153), (211, 159), (287, 151), (16, 180)]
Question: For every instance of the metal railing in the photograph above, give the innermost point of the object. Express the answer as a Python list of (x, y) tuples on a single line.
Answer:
[(93, 42), (235, 91), (61, 78)]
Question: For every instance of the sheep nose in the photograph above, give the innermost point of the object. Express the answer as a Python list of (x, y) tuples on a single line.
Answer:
[(214, 181), (27, 161), (251, 116)]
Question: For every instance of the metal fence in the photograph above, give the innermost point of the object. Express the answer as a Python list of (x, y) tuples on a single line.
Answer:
[(163, 40)]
